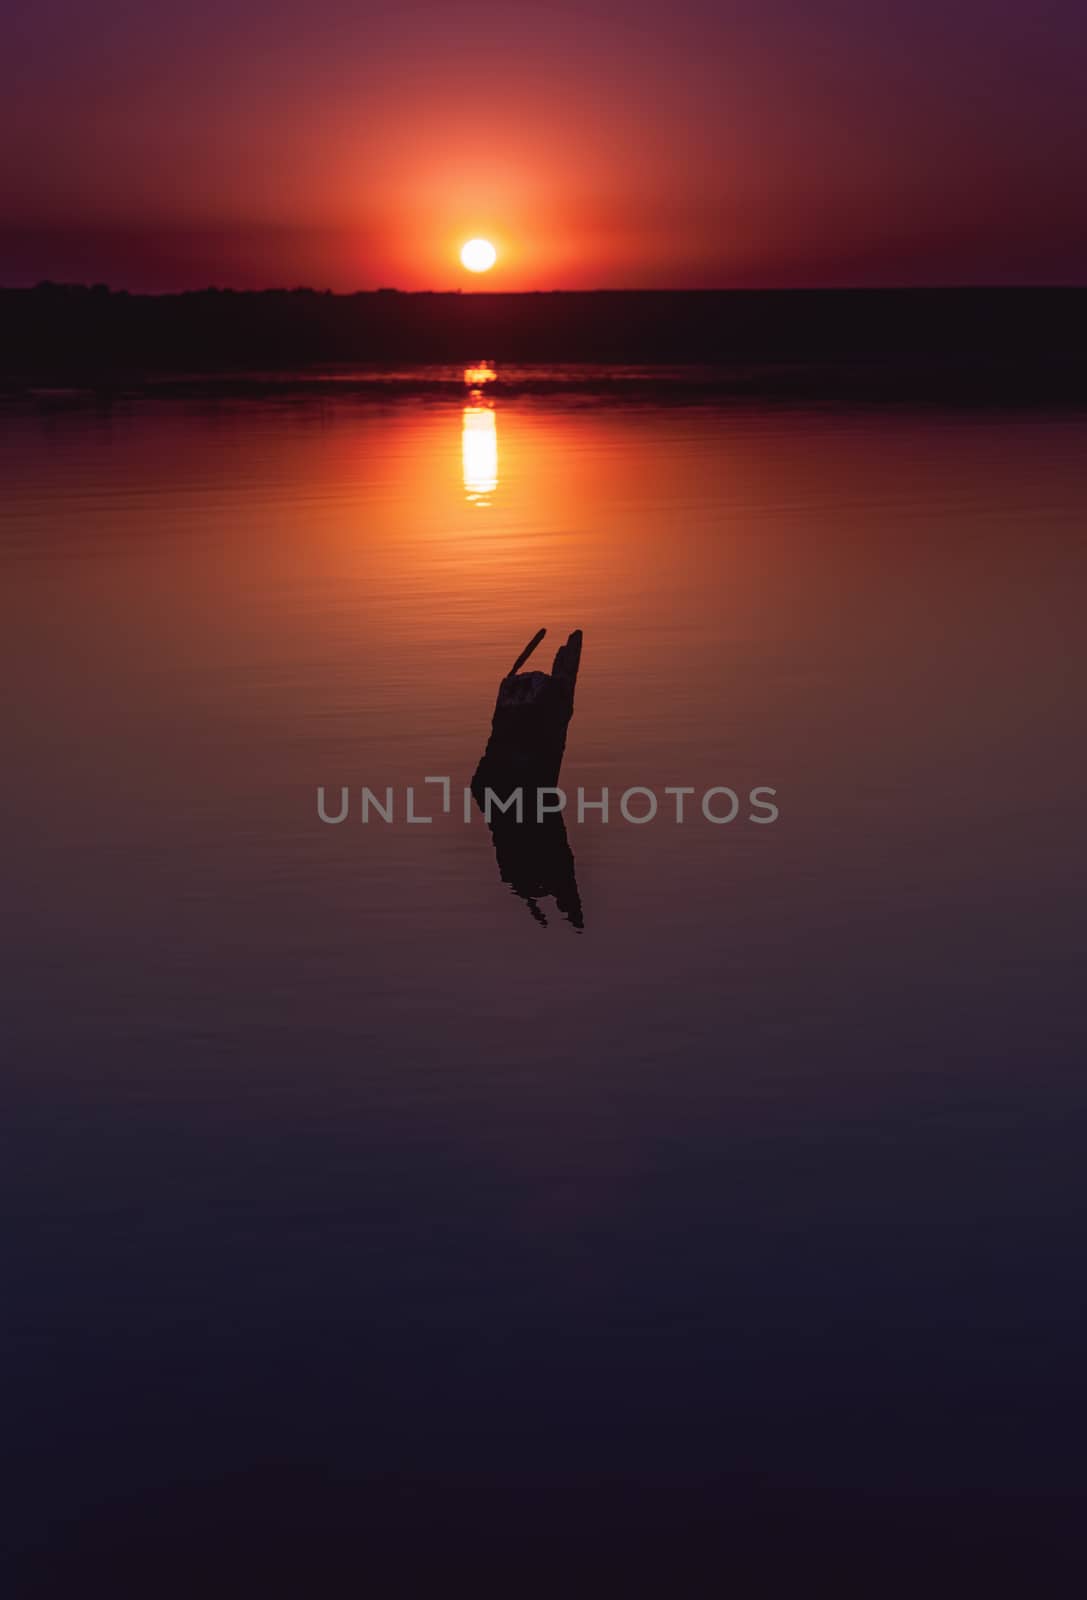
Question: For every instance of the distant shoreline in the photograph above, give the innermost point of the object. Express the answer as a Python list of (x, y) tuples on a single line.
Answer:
[(1008, 345)]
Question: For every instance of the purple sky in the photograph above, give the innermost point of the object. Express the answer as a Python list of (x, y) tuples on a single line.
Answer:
[(684, 144)]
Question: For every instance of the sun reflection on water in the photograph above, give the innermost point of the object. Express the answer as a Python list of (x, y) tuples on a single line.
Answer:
[(479, 453), (479, 438)]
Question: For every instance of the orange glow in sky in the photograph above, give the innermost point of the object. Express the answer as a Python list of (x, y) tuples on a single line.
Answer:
[(609, 145)]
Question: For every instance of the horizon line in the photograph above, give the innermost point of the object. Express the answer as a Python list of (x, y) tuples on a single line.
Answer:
[(99, 287)]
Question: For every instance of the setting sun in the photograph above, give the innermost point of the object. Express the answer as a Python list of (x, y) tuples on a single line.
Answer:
[(478, 255)]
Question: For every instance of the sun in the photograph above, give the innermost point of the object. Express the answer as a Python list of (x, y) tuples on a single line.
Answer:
[(478, 255)]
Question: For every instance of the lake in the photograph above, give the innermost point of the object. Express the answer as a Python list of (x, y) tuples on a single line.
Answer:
[(363, 1216)]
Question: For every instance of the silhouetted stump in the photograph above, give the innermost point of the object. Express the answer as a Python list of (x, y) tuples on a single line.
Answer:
[(524, 752), (528, 729)]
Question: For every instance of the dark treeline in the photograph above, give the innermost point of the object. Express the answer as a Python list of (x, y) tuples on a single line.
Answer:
[(1016, 344)]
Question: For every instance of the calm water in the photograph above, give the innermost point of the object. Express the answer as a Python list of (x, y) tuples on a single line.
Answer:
[(347, 1204)]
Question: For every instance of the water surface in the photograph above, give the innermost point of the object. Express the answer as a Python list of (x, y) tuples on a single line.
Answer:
[(344, 1196)]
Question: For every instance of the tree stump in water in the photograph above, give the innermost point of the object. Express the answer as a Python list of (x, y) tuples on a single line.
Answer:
[(528, 729), (525, 750)]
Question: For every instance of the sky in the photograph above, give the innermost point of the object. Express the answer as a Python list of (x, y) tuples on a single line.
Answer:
[(692, 143)]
